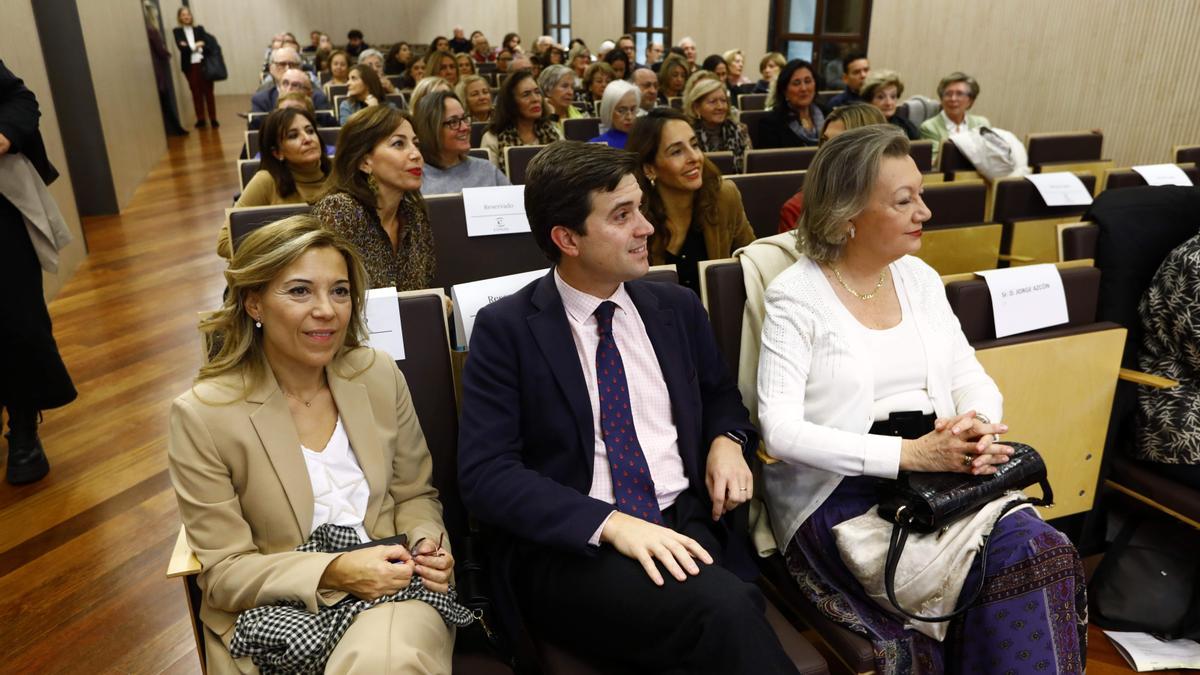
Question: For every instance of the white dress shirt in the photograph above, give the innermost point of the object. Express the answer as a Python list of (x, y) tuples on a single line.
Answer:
[(197, 52), (897, 361), (649, 399)]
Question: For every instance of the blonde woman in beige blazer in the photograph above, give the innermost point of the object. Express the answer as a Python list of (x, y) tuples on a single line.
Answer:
[(284, 372)]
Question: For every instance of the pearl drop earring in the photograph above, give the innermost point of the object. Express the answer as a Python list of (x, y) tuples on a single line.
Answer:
[(258, 324)]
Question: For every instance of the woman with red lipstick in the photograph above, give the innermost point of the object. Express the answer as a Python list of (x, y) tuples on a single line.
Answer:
[(295, 169), (696, 215), (375, 199), (521, 117), (863, 373), (295, 432), (795, 120), (444, 131)]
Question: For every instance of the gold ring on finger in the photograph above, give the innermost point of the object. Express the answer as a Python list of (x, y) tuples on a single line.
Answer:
[(967, 459)]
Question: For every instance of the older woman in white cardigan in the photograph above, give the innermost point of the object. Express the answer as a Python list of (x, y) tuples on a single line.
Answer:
[(864, 373)]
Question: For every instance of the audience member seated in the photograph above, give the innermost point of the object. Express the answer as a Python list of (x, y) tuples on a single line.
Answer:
[(294, 433), (618, 111), (769, 67), (441, 64), (459, 44), (794, 119), (426, 87), (475, 93), (646, 81), (707, 106), (320, 65), (736, 61), (503, 60), (558, 86), (374, 59), (958, 92), (294, 168), (626, 44), (841, 119), (546, 463), (282, 60), (521, 61), (858, 336), (443, 129), (511, 44), (355, 43), (696, 215), (296, 83), (543, 43), (439, 44), (688, 45), (619, 62), (654, 54), (536, 63), (855, 68), (363, 90), (883, 89), (672, 76), (595, 80), (315, 45), (1168, 440), (554, 56), (579, 59), (466, 65), (339, 67), (413, 74), (521, 117), (481, 51), (398, 59), (375, 199)]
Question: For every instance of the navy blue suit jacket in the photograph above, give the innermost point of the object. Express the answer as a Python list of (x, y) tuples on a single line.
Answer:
[(265, 99), (526, 441)]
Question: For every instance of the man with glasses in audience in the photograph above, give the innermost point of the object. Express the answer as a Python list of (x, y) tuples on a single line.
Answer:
[(625, 44), (654, 55), (289, 79), (688, 45), (605, 441)]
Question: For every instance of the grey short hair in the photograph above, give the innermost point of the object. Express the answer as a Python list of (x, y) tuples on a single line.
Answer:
[(878, 80), (551, 76), (839, 184), (972, 85), (368, 53)]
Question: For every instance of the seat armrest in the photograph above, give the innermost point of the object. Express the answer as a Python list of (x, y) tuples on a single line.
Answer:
[(1146, 379), (764, 457), (183, 562)]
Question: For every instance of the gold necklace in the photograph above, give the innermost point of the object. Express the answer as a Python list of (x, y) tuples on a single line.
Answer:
[(308, 403), (851, 291)]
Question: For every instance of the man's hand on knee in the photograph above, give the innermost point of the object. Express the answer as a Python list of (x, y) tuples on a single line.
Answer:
[(646, 542)]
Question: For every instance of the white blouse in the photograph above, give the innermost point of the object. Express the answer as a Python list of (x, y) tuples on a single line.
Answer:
[(340, 490), (817, 385)]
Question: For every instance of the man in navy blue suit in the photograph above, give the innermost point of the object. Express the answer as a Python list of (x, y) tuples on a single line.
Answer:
[(604, 442)]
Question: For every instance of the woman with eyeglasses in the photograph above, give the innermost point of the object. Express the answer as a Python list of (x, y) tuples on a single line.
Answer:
[(958, 92), (521, 117), (618, 112), (696, 215), (443, 130), (706, 103)]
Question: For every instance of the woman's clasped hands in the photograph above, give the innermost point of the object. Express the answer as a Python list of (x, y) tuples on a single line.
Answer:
[(966, 443), (372, 573)]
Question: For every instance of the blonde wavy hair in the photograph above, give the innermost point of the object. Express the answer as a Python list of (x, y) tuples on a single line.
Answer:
[(232, 344), (699, 85)]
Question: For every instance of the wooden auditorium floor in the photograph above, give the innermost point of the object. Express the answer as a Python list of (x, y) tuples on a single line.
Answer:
[(83, 553)]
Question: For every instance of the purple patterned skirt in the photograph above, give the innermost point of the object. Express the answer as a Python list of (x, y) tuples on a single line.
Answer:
[(1030, 618)]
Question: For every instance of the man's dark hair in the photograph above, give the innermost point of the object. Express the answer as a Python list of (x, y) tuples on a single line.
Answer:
[(559, 184), (354, 34), (851, 58)]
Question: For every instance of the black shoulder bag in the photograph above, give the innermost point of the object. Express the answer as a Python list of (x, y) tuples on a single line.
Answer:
[(928, 502)]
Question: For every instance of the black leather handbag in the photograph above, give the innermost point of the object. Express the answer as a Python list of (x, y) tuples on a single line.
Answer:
[(928, 502)]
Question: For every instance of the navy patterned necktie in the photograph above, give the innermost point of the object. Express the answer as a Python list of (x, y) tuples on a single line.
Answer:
[(633, 487)]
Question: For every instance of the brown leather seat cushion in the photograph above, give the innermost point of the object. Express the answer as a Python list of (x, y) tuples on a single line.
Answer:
[(763, 195), (244, 221), (1020, 200), (479, 664), (1175, 496), (461, 259), (1127, 178), (1079, 243), (955, 203), (726, 300), (780, 159), (972, 304), (1074, 147)]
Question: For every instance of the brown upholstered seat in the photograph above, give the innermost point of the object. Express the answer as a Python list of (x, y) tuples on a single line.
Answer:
[(1187, 153), (1030, 227), (957, 203), (1070, 146), (1128, 475), (752, 102), (751, 118), (243, 221), (461, 258), (952, 160), (922, 154), (779, 159), (1079, 242), (725, 297), (246, 170), (517, 160), (972, 304), (1117, 179), (581, 129), (763, 195), (478, 129), (723, 159)]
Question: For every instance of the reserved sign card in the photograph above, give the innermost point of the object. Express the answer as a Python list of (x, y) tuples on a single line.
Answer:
[(1026, 298), (1163, 174), (1061, 188), (495, 210), (383, 322), (471, 297)]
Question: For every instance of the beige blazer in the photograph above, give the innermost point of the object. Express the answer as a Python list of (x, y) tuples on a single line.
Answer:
[(244, 492)]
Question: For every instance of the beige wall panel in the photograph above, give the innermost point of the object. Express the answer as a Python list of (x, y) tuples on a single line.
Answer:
[(114, 33), (719, 26), (22, 53), (529, 21), (1122, 67), (245, 28)]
